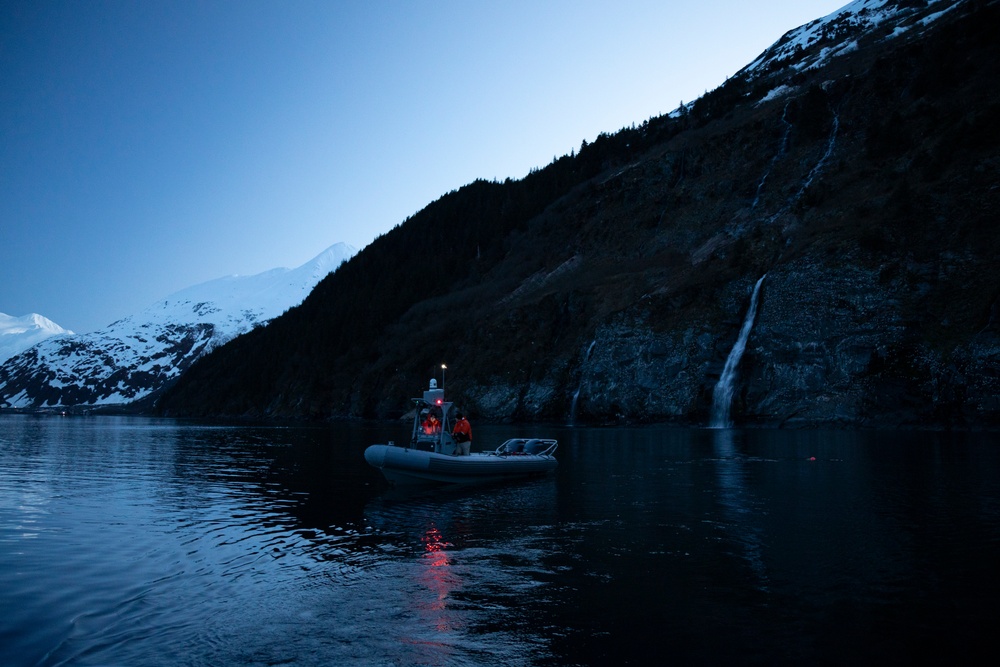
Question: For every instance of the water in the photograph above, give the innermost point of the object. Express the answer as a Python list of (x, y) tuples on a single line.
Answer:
[(127, 541)]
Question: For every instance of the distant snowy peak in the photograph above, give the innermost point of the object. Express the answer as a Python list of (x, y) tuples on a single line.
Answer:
[(138, 355), (17, 334), (28, 323), (235, 303), (329, 260), (815, 43)]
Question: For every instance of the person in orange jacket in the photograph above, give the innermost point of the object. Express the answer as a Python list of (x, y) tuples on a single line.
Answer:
[(431, 425), (462, 433)]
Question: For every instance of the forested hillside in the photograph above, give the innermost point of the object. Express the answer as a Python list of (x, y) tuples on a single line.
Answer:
[(610, 285)]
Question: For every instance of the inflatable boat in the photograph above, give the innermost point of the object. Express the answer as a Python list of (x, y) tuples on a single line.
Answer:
[(433, 456)]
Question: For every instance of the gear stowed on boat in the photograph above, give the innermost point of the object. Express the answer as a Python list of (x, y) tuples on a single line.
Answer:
[(434, 456)]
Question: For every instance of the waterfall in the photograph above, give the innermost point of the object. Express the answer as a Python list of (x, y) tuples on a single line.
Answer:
[(572, 407), (817, 168), (576, 394), (722, 398), (781, 151), (831, 142)]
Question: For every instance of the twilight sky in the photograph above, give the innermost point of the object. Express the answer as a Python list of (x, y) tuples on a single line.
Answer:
[(149, 145)]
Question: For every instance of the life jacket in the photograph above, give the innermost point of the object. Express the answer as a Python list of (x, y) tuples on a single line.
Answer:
[(462, 431)]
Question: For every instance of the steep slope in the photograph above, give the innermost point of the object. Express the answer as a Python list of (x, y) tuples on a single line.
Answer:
[(858, 172), (19, 333), (138, 355), (859, 24)]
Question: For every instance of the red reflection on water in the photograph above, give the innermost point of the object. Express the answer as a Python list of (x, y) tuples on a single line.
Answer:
[(435, 545), (439, 577)]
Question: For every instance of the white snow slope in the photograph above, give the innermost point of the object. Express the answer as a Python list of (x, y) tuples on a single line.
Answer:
[(814, 43), (137, 355), (17, 334)]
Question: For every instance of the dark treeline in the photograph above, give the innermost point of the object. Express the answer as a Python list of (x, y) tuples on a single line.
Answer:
[(449, 245)]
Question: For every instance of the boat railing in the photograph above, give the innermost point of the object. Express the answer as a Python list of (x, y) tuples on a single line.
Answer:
[(530, 446)]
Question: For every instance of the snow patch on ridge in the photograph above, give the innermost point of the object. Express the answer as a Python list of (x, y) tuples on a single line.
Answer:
[(812, 45)]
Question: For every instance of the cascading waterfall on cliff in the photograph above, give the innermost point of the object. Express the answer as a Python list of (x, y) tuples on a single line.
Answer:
[(722, 398), (817, 168), (781, 152), (830, 143), (576, 394)]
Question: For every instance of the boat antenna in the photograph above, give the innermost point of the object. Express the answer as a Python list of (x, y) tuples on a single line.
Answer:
[(443, 369)]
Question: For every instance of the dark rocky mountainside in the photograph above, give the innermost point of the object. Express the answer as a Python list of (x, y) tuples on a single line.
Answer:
[(858, 170)]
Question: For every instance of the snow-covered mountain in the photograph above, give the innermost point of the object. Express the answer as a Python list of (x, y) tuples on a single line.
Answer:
[(17, 334), (137, 355), (814, 44)]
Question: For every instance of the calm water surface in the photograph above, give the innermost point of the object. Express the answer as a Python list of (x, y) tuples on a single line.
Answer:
[(127, 541)]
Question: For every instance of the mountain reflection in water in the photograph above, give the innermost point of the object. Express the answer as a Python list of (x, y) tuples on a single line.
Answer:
[(147, 542)]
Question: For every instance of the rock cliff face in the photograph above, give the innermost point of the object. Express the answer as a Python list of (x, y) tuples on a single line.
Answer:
[(863, 181), (830, 345)]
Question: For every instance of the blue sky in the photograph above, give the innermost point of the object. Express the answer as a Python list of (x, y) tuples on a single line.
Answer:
[(151, 145)]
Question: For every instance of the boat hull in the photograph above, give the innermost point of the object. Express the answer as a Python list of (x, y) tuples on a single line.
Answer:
[(404, 466)]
